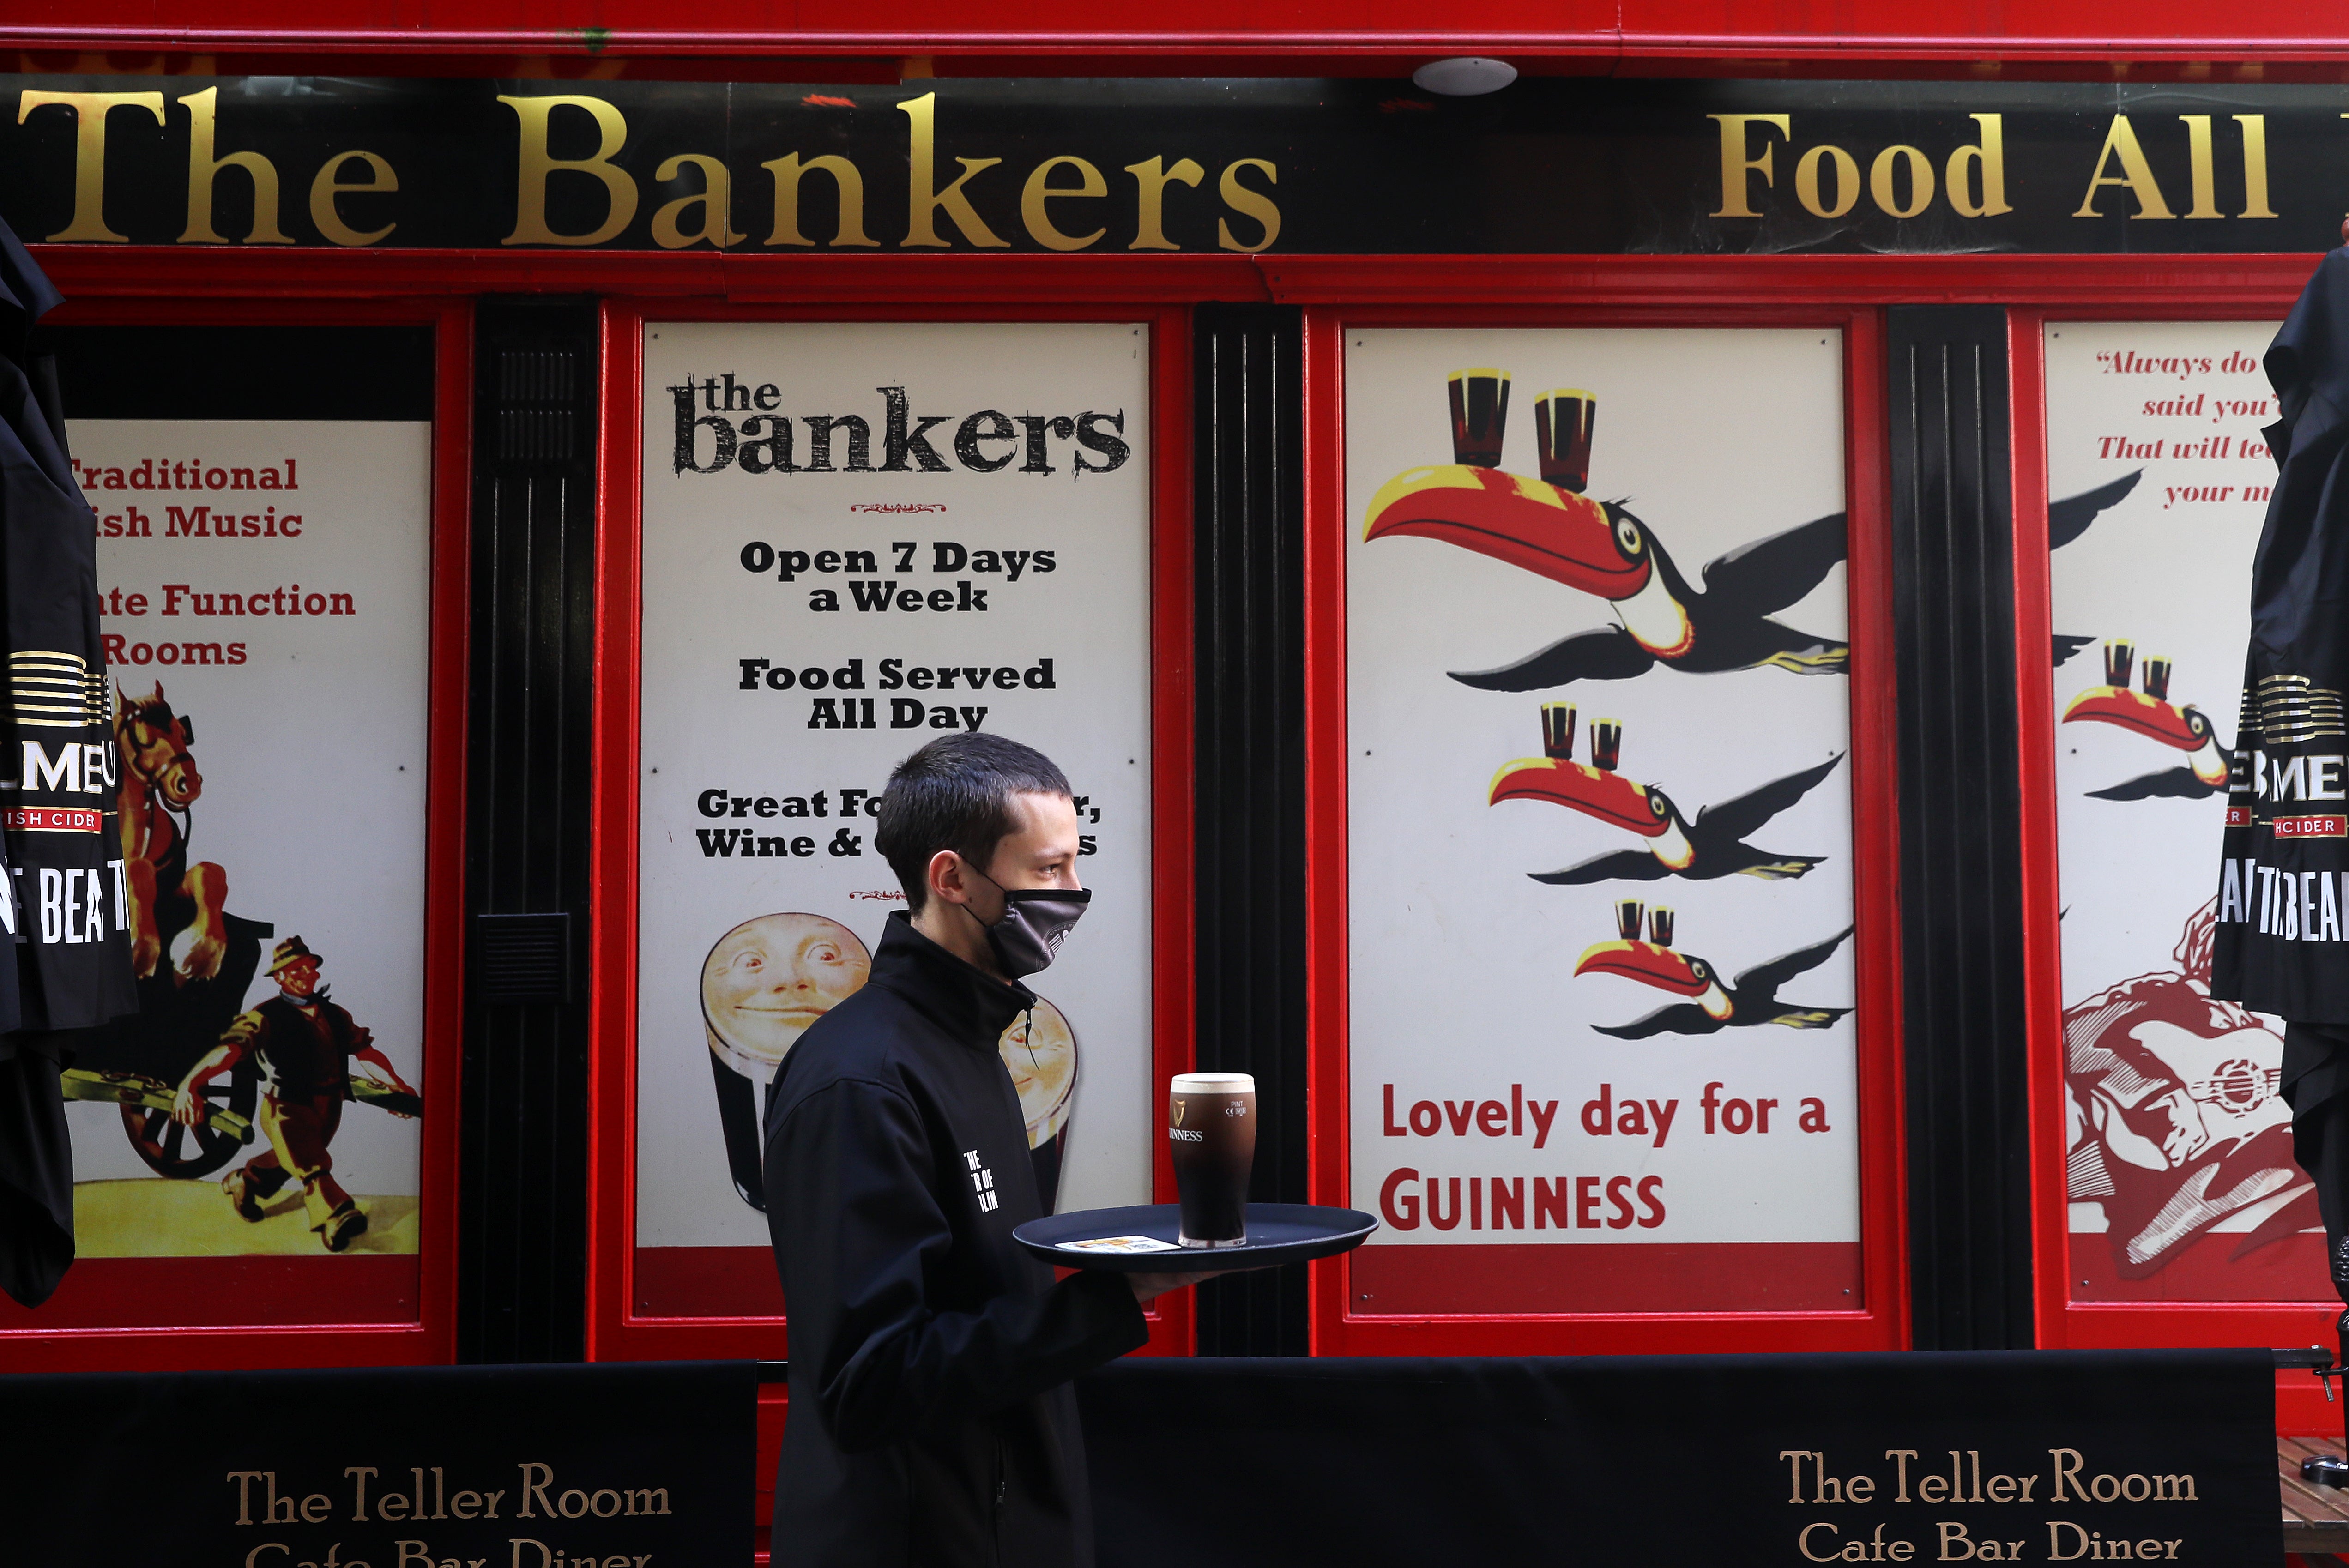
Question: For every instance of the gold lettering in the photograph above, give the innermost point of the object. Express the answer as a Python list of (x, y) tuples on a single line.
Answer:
[(1041, 190), (923, 200), (2198, 162), (1253, 204), (537, 167), (2255, 165), (203, 169), (1735, 165), (1846, 176), (328, 185), (1920, 181), (1989, 155), (788, 171), (1150, 232), (2120, 140), (89, 111), (716, 200)]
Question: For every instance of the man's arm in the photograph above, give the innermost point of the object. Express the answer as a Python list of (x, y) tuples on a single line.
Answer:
[(189, 1107), (860, 1238)]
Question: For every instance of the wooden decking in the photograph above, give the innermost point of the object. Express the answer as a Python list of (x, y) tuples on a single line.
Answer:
[(2315, 1518)]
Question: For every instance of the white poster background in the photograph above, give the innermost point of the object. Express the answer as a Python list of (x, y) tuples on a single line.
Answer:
[(1461, 968), (2172, 575), (703, 612), (313, 750)]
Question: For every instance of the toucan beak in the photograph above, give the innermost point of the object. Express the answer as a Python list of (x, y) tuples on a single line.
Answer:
[(1552, 532), (2134, 710), (1610, 797), (1662, 968)]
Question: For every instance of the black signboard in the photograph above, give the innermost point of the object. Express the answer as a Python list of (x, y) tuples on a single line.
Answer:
[(524, 1467), (1552, 166), (2085, 1457)]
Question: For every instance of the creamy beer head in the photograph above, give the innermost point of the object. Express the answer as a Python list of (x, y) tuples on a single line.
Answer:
[(1212, 1083), (1211, 1138)]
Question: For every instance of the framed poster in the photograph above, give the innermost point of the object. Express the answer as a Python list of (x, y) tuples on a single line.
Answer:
[(255, 1150), (858, 536), (2184, 1219), (1611, 1051)]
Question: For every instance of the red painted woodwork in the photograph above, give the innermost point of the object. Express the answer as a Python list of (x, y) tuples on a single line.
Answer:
[(1340, 1324), (220, 1312), (1203, 37), (620, 1325), (1664, 282)]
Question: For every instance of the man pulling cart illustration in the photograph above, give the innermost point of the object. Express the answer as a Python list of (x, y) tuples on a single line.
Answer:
[(303, 1044)]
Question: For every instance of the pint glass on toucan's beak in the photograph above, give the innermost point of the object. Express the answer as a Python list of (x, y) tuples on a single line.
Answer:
[(1480, 413)]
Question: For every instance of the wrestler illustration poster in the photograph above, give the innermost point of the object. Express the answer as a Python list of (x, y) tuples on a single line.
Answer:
[(1601, 1019), (262, 587), (2181, 1181), (857, 539)]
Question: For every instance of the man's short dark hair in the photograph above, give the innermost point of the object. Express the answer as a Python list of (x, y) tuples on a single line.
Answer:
[(956, 794)]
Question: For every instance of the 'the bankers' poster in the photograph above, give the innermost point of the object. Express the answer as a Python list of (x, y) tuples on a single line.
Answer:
[(1602, 1045), (2182, 1183), (857, 538), (264, 609)]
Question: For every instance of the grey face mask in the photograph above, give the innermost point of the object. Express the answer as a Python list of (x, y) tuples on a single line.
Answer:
[(1035, 922)]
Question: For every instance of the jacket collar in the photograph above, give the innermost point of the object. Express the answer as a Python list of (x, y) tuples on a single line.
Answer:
[(967, 1003)]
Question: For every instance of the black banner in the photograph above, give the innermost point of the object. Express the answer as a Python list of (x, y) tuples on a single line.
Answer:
[(646, 1465), (1152, 167), (1989, 1457)]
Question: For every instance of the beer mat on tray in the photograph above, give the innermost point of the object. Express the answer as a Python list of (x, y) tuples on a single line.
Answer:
[(1144, 1239)]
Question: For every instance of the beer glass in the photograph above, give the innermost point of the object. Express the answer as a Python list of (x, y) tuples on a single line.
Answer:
[(1557, 730), (1562, 425), (1211, 1133), (1480, 414)]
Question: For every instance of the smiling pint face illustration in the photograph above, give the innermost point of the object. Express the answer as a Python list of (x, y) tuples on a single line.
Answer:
[(768, 979), (764, 984), (1039, 1050)]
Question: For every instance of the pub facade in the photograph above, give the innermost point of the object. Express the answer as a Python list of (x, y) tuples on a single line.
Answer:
[(1649, 649)]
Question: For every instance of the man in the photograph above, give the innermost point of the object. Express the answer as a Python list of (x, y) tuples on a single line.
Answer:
[(303, 1044), (931, 1419)]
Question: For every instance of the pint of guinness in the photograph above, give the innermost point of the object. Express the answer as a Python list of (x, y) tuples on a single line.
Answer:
[(1211, 1133), (1480, 414)]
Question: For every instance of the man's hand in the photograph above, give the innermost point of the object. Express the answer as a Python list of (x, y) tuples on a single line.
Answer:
[(189, 1108), (1148, 1287)]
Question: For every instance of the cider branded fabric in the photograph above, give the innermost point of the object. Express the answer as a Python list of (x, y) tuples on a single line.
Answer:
[(62, 901), (66, 908), (2283, 887)]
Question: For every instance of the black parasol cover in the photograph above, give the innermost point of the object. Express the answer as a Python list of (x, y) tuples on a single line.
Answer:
[(62, 898), (2282, 942)]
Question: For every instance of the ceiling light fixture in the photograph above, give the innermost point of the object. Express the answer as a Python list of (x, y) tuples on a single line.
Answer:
[(1464, 76)]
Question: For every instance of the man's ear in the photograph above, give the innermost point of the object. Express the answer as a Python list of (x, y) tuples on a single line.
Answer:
[(945, 877)]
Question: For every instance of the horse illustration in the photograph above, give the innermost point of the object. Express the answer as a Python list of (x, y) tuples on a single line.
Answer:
[(167, 894)]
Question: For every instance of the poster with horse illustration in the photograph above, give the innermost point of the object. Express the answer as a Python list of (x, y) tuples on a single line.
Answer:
[(264, 614), (2181, 1180), (1603, 1043)]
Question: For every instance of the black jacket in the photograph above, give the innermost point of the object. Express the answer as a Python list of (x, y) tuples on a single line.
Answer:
[(931, 1421), (2282, 942)]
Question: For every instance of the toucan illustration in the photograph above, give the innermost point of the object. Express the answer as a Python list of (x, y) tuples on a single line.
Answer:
[(1710, 846), (1548, 527), (1752, 998), (1602, 548), (2067, 519), (2151, 714)]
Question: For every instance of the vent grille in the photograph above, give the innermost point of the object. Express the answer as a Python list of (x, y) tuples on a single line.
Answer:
[(538, 418), (521, 958)]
